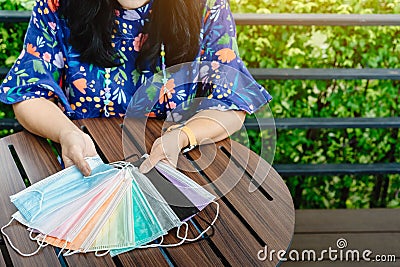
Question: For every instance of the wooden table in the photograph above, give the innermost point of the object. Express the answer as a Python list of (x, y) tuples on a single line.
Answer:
[(247, 222)]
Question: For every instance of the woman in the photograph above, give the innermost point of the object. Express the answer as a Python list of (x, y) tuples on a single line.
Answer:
[(89, 58)]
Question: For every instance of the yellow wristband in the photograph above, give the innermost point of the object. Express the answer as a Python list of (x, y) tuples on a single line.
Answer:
[(189, 133), (191, 137)]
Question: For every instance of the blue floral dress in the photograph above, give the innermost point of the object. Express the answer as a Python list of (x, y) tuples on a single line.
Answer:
[(49, 67)]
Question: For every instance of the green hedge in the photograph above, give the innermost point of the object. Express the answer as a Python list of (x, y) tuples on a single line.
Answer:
[(328, 47), (318, 47), (11, 39)]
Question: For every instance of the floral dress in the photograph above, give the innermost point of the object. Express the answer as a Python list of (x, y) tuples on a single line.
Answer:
[(49, 67)]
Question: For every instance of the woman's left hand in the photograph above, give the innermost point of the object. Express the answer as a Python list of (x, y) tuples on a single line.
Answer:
[(166, 148)]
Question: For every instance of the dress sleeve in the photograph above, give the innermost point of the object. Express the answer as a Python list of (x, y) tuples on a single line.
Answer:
[(39, 68), (226, 80)]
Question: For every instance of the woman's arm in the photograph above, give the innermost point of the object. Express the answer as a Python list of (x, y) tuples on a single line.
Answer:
[(208, 126), (42, 117)]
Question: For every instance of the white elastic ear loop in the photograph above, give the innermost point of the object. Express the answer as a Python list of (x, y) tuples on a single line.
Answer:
[(42, 242), (40, 203), (122, 164), (169, 245), (12, 245), (71, 252), (153, 245), (205, 230), (31, 237), (96, 174), (62, 249), (102, 254)]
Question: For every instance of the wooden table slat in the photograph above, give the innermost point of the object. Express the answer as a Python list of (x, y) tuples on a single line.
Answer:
[(32, 152), (11, 183), (143, 257), (191, 254), (2, 261), (263, 176)]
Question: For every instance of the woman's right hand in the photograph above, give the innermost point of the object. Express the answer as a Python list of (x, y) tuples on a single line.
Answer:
[(75, 146)]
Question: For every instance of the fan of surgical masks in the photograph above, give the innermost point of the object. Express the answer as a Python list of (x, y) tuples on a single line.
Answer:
[(114, 210)]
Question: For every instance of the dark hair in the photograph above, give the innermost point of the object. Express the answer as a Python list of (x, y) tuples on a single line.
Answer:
[(177, 23)]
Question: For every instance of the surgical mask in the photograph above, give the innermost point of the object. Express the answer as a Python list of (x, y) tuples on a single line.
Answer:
[(60, 189), (147, 228), (62, 220), (179, 203), (165, 215), (79, 238), (193, 191), (44, 198), (118, 231)]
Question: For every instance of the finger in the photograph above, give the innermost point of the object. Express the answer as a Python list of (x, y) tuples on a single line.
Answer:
[(67, 162), (81, 164), (84, 167), (150, 162), (171, 160)]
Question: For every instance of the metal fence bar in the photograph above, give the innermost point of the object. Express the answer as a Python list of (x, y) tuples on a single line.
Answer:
[(321, 123), (337, 169), (311, 74), (325, 74), (318, 19)]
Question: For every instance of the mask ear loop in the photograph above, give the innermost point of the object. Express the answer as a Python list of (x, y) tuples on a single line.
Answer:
[(40, 204), (30, 235), (205, 230), (102, 254), (153, 245), (62, 249), (71, 252), (96, 174), (12, 245), (42, 242), (170, 245)]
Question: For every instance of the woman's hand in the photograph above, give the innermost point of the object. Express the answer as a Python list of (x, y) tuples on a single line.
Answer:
[(75, 146), (166, 148)]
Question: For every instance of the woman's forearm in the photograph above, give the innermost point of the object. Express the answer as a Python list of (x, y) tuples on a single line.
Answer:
[(42, 117), (210, 126)]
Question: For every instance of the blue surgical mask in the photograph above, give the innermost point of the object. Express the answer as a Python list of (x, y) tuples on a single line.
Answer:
[(60, 189)]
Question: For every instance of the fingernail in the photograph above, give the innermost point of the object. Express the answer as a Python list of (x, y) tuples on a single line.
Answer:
[(87, 171), (144, 168)]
